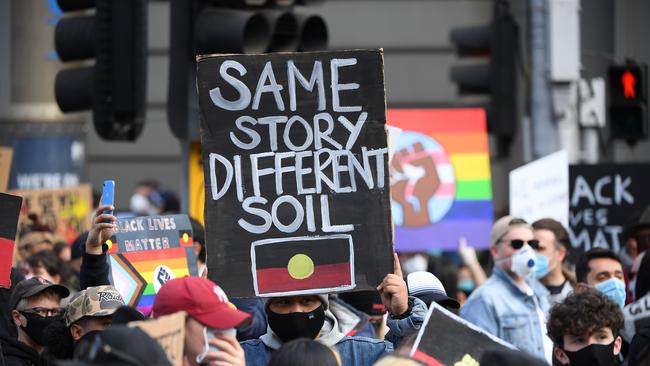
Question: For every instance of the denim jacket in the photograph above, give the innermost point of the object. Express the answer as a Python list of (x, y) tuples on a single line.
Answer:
[(501, 308), (354, 351)]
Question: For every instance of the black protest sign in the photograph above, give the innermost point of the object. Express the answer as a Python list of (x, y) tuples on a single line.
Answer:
[(148, 251), (603, 199), (296, 171), (9, 211), (447, 339)]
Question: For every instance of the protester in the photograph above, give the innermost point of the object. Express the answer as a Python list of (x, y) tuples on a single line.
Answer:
[(552, 252), (584, 329), (62, 251), (637, 314), (33, 240), (470, 261), (465, 285), (351, 321), (428, 288), (602, 269), (146, 201), (34, 304), (92, 310), (308, 316), (303, 351), (636, 236), (119, 345), (511, 305), (369, 302), (47, 265), (198, 239), (94, 269), (212, 320)]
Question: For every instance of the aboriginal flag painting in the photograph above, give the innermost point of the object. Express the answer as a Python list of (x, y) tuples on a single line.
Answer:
[(315, 264), (8, 224)]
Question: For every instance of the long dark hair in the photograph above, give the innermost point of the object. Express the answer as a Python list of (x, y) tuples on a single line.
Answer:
[(304, 351)]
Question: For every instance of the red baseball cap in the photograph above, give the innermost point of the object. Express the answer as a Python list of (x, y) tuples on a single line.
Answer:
[(201, 299)]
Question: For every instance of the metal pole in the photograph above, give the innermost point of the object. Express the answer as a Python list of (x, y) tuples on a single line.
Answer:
[(544, 128)]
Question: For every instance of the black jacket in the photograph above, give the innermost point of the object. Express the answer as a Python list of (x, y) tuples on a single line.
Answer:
[(7, 327), (16, 353), (94, 269)]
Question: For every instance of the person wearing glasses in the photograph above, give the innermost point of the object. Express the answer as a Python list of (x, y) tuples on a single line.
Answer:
[(512, 304), (35, 304)]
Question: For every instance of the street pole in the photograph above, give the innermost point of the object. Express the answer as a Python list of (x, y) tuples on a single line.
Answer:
[(544, 131)]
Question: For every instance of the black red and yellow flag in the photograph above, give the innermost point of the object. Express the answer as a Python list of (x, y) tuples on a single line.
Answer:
[(9, 212), (303, 264)]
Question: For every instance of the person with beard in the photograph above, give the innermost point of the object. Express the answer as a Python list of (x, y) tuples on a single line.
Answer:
[(309, 316), (512, 305), (585, 329), (35, 305)]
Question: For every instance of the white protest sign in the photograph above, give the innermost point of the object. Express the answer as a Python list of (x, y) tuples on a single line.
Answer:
[(540, 189)]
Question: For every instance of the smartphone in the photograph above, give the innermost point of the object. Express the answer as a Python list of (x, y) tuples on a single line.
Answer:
[(108, 195)]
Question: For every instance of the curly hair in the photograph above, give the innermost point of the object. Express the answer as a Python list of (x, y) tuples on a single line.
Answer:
[(584, 311)]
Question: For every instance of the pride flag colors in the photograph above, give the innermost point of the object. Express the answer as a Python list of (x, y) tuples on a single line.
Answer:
[(440, 179), (302, 265), (153, 251)]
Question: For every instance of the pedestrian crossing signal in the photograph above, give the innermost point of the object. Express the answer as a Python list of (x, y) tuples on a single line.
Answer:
[(628, 101)]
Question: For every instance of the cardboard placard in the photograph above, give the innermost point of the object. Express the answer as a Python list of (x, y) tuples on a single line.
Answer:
[(169, 332), (441, 185), (540, 189), (148, 251), (6, 154), (447, 339), (9, 212), (603, 199), (67, 210), (296, 171)]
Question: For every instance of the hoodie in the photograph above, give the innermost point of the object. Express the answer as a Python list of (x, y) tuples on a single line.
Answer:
[(16, 353)]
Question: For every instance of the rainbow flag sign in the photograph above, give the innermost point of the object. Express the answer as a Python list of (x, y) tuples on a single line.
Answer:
[(148, 251), (440, 179)]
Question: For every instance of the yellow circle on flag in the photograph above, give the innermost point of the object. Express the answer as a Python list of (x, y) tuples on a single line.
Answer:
[(300, 266), (185, 237), (109, 242)]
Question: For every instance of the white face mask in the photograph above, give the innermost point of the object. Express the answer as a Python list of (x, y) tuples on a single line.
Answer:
[(523, 262), (209, 333), (140, 205), (417, 263)]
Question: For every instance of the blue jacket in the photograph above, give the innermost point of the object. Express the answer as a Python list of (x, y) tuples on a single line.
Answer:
[(354, 351), (504, 310)]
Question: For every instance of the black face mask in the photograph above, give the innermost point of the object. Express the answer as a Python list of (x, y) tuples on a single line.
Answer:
[(297, 325), (36, 325), (593, 355)]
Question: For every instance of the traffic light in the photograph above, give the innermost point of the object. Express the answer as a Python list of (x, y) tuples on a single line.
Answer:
[(114, 88), (628, 97), (491, 52), (230, 26)]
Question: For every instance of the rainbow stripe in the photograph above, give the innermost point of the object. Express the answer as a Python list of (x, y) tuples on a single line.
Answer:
[(461, 135), (138, 288)]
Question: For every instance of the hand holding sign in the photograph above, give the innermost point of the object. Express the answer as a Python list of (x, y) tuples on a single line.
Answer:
[(104, 227), (393, 290)]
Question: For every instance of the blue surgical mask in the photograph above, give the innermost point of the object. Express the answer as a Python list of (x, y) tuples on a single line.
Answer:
[(466, 285), (541, 266), (614, 289)]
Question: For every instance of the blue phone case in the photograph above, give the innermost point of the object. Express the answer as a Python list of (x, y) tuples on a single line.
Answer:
[(108, 194)]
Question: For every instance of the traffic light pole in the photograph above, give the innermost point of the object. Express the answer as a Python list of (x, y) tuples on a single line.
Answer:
[(544, 131)]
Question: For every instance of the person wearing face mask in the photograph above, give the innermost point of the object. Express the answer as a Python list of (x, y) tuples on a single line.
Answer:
[(512, 304), (309, 316), (210, 329), (584, 329), (35, 304), (551, 253), (602, 269), (414, 262), (146, 201)]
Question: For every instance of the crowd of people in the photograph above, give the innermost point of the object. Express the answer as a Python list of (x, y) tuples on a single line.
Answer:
[(61, 308)]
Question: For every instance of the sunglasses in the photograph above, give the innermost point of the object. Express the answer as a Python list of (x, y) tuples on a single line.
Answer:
[(517, 244)]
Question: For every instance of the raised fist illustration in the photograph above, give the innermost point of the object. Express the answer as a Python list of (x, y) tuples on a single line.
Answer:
[(414, 180)]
